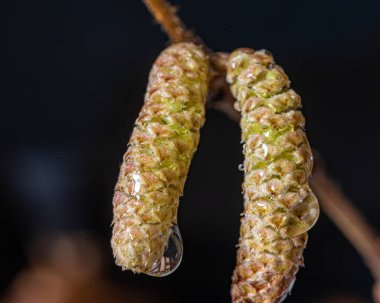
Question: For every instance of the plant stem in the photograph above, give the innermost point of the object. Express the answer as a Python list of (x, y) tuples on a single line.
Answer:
[(347, 218), (166, 15)]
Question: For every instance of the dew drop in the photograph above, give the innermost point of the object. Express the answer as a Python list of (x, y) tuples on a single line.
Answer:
[(172, 256), (136, 181), (302, 217), (237, 106), (265, 150), (241, 167)]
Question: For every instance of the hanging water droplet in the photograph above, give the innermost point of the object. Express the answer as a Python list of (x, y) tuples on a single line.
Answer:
[(241, 167), (172, 256)]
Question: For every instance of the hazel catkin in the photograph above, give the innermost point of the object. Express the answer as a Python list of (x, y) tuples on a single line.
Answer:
[(279, 206), (155, 166)]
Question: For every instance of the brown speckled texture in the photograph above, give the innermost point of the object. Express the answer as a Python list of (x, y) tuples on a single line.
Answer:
[(279, 206)]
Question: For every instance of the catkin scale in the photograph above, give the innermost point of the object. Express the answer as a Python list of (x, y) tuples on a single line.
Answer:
[(156, 163), (279, 206)]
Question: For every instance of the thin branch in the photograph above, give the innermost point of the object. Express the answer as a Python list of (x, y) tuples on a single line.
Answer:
[(220, 97), (376, 292), (347, 218), (166, 15)]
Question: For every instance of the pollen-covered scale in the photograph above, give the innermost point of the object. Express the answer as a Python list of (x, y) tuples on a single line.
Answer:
[(146, 237), (279, 206)]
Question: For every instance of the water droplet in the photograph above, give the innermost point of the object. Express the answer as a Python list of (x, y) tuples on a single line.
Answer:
[(302, 217), (241, 167), (136, 179), (265, 149), (172, 256), (237, 106), (251, 76)]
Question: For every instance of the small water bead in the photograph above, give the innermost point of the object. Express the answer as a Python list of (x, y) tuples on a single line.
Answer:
[(237, 106), (241, 167), (136, 179), (172, 256), (302, 217), (265, 150)]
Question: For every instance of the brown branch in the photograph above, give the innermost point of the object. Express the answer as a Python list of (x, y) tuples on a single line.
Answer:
[(376, 292), (347, 218), (220, 97), (166, 15)]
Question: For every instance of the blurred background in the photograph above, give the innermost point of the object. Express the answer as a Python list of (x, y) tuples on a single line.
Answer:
[(73, 79)]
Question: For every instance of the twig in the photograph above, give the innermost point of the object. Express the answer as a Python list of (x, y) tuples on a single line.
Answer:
[(376, 292), (166, 15), (220, 97), (347, 218)]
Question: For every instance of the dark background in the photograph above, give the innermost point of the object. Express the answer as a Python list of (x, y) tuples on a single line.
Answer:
[(74, 75)]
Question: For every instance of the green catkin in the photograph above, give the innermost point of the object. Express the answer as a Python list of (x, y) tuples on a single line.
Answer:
[(279, 206), (155, 166)]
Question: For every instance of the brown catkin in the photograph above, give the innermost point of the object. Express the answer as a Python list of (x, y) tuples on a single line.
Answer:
[(279, 206), (155, 166)]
